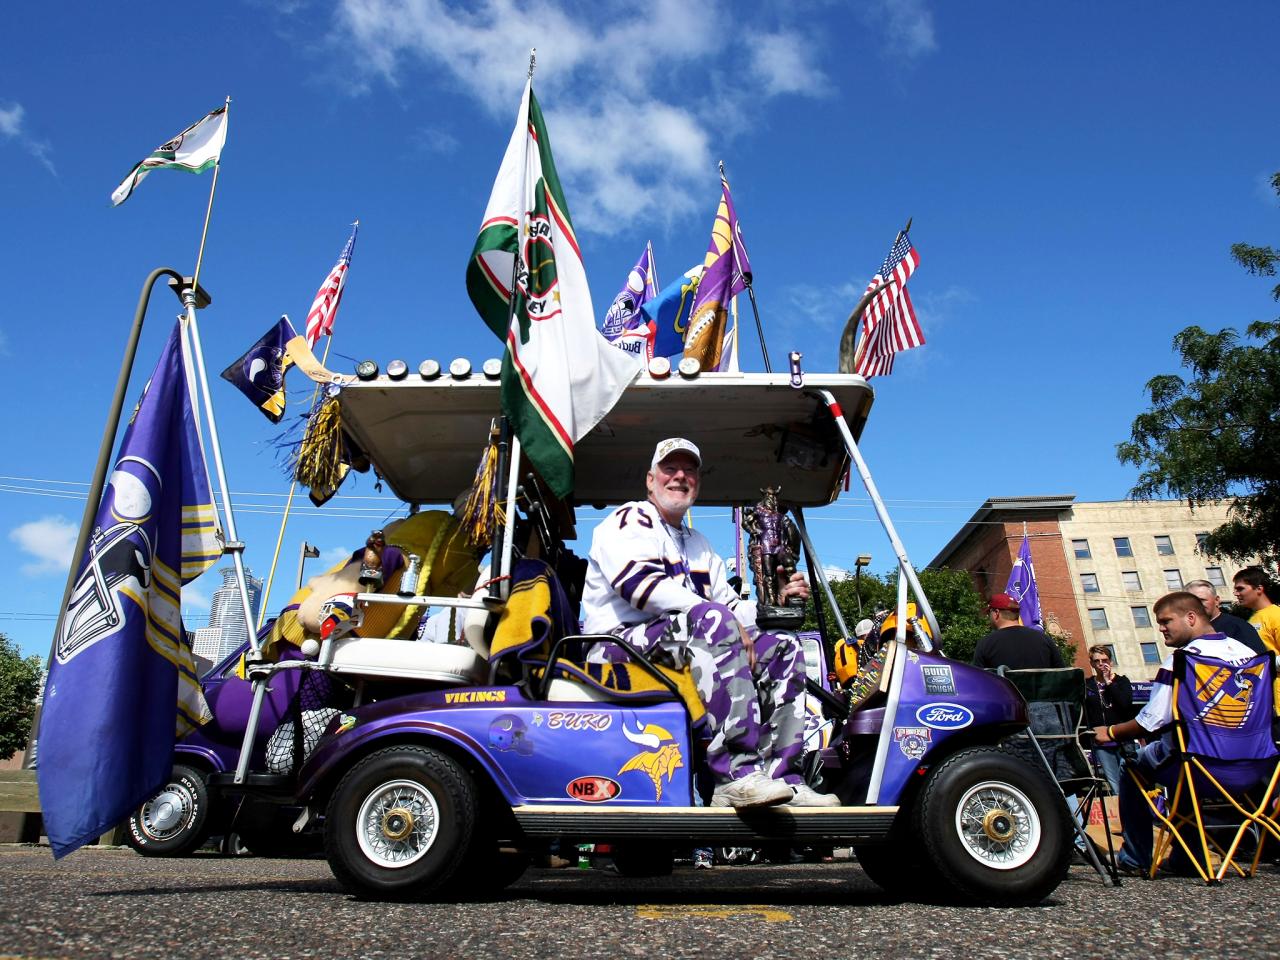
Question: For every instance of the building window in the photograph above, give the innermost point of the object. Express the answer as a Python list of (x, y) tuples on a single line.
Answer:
[(1141, 618), (1214, 576), (1111, 651), (1164, 546), (1081, 548), (1150, 653), (1122, 547), (1200, 541), (1132, 582), (1089, 582), (1173, 579), (1098, 618)]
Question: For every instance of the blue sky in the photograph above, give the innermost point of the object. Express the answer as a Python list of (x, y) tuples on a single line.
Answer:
[(1076, 173)]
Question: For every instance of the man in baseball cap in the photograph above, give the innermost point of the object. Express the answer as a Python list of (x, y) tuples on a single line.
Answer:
[(658, 584), (1010, 643)]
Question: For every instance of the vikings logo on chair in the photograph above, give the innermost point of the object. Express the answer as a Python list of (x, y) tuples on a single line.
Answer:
[(1224, 695)]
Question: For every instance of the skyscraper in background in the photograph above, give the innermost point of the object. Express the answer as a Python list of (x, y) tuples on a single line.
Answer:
[(226, 629)]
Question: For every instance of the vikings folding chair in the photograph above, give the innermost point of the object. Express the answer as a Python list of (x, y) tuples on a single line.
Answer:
[(1227, 764), (1055, 709)]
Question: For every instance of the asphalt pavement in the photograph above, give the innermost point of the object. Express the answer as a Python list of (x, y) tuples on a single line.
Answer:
[(113, 903)]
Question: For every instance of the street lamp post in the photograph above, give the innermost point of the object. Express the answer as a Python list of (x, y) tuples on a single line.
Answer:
[(308, 550), (864, 560)]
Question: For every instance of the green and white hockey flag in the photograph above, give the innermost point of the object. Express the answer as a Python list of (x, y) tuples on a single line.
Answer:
[(194, 150), (559, 375)]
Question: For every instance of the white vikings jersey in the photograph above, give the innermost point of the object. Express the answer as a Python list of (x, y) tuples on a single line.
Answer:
[(640, 567)]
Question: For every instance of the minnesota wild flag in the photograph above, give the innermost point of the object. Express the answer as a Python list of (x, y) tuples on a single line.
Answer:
[(527, 281)]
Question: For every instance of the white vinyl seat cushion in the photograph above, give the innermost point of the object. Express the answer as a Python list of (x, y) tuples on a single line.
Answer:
[(406, 660)]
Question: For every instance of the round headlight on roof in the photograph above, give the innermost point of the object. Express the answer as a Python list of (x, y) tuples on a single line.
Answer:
[(366, 369)]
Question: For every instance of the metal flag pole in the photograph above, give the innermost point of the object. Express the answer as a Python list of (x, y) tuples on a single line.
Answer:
[(751, 293), (232, 543), (98, 483), (293, 484)]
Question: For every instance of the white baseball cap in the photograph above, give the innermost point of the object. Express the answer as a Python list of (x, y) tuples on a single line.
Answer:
[(674, 445), (863, 628)]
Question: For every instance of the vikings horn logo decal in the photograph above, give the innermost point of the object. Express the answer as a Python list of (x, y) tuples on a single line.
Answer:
[(659, 758), (118, 561)]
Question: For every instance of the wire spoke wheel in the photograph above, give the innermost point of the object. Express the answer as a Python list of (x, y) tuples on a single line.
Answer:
[(397, 824), (998, 825)]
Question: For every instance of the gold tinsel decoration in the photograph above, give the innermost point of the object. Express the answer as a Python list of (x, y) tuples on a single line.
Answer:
[(482, 515), (318, 464)]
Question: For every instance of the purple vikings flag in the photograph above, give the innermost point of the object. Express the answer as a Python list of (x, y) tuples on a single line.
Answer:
[(726, 272), (122, 682), (625, 326), (1022, 587)]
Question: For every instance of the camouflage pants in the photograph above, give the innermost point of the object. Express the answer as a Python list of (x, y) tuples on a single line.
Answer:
[(756, 716)]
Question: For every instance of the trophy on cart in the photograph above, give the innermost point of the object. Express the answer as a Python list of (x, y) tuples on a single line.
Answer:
[(773, 551)]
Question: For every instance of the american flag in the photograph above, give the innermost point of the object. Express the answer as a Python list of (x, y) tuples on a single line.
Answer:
[(889, 322), (325, 307)]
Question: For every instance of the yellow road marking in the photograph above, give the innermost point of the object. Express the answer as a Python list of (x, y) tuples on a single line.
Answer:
[(657, 911)]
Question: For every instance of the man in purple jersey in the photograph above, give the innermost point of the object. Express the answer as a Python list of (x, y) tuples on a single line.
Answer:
[(659, 585)]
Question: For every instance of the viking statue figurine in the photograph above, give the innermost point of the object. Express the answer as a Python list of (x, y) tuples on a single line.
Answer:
[(775, 543)]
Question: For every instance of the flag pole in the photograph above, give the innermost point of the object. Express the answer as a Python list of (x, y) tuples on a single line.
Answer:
[(755, 308), (293, 484), (231, 542)]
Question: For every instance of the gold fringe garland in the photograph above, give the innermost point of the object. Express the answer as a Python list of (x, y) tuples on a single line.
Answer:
[(482, 514), (318, 464)]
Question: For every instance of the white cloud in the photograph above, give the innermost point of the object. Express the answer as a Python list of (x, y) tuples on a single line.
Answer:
[(12, 126), (48, 542), (835, 573), (195, 602), (907, 25), (639, 107), (936, 309), (330, 557), (784, 64)]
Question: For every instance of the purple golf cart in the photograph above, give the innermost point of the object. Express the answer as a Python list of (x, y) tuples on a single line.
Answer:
[(441, 769)]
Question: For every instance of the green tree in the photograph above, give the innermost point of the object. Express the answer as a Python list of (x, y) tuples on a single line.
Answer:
[(1216, 434), (19, 686), (951, 594)]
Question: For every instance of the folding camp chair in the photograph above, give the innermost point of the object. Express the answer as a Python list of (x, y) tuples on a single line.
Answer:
[(1227, 763), (1055, 709)]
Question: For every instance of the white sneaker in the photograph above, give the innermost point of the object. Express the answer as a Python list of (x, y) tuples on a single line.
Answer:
[(753, 790), (806, 796)]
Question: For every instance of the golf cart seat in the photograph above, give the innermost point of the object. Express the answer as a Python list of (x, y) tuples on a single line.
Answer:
[(441, 663)]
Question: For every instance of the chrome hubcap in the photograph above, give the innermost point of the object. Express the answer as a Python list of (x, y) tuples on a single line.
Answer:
[(998, 825), (397, 823), (168, 812)]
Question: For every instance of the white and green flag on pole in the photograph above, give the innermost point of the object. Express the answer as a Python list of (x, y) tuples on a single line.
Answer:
[(194, 150), (559, 375)]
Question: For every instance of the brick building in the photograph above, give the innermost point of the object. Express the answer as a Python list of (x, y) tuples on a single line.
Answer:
[(1099, 566)]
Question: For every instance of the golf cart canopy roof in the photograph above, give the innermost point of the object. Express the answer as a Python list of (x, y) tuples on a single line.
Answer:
[(426, 437)]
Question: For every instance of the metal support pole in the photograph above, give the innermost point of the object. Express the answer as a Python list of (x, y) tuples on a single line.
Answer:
[(895, 695), (509, 534), (899, 550), (764, 350), (107, 446), (819, 573), (233, 545)]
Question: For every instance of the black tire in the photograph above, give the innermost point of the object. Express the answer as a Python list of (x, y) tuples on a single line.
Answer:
[(995, 828), (643, 860), (398, 823), (174, 821)]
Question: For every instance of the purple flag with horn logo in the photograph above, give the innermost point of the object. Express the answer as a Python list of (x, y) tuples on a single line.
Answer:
[(625, 326), (1022, 587), (726, 273)]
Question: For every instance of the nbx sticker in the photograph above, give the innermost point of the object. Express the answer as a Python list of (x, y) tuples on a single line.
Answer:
[(593, 789)]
